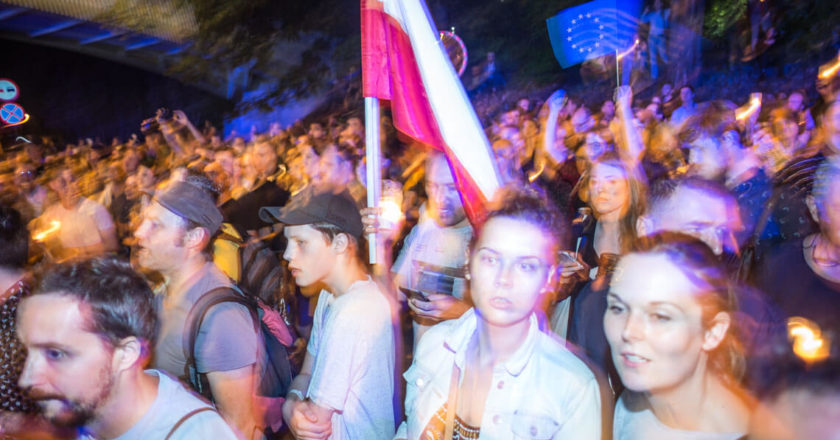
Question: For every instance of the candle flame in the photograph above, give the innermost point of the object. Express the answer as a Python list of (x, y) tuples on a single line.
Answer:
[(808, 341), (755, 103), (54, 226)]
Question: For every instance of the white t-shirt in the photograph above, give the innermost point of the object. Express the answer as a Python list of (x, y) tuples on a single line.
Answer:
[(634, 420), (352, 343), (434, 257), (172, 403), (82, 226)]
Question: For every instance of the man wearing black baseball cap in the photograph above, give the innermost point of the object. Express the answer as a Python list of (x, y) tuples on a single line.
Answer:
[(345, 388)]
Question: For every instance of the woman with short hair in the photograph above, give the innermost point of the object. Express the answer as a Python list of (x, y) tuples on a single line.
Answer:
[(493, 373)]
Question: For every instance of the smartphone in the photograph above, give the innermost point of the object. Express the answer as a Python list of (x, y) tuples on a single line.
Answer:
[(414, 294), (568, 258)]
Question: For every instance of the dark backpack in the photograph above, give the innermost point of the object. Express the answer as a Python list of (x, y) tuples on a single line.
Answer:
[(278, 373)]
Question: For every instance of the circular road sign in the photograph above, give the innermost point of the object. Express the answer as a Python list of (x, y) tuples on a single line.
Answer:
[(12, 113), (8, 90)]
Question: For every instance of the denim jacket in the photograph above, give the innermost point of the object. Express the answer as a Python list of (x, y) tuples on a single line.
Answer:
[(542, 392)]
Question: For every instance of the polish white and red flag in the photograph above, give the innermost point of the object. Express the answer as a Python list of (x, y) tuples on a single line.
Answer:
[(404, 62)]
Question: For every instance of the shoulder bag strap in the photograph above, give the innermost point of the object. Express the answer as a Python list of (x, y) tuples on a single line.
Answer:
[(184, 419)]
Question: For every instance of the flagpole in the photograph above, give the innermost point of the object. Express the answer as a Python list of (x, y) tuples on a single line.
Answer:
[(617, 77), (373, 168)]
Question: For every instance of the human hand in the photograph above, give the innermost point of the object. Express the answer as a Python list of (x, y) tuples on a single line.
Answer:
[(374, 223), (624, 96), (303, 420), (439, 307), (180, 117), (572, 267), (557, 100)]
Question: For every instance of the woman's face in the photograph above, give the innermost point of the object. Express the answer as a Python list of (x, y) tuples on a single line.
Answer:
[(654, 325), (510, 269), (609, 190)]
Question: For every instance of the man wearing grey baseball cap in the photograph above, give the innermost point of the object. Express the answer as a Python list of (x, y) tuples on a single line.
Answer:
[(346, 386), (175, 239)]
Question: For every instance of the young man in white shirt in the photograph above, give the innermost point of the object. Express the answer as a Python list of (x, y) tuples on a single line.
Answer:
[(345, 389)]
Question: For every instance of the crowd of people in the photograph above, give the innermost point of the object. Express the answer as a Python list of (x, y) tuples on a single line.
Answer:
[(654, 268)]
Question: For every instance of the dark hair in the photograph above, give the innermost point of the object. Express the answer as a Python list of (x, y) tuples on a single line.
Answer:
[(120, 301), (663, 189), (330, 231), (528, 204), (14, 239), (717, 293)]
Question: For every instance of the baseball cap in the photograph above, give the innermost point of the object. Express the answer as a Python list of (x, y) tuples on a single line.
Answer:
[(317, 205), (189, 200)]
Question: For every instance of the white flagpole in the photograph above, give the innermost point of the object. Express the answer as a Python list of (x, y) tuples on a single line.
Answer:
[(373, 167)]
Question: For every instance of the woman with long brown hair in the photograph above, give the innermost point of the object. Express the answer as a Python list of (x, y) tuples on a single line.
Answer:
[(670, 323)]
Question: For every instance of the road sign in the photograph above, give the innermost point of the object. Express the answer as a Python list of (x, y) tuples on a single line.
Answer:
[(12, 113), (8, 90)]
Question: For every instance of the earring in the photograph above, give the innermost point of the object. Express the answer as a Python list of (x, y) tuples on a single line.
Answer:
[(467, 276)]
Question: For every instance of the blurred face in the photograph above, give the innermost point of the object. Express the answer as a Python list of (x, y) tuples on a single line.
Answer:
[(795, 101), (67, 188), (524, 105), (334, 169), (582, 120), (608, 109), (444, 206), (653, 324), (609, 191), (226, 160), (69, 370), (510, 118), (831, 125), (25, 178), (510, 270), (316, 131), (239, 144), (218, 175), (829, 217), (160, 240), (706, 158), (311, 161), (265, 159), (686, 95), (355, 125), (146, 178), (309, 255), (701, 215), (131, 161), (558, 152), (595, 146)]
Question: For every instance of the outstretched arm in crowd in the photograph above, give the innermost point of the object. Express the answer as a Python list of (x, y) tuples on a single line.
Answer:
[(306, 419), (555, 104), (180, 117), (633, 148), (233, 392)]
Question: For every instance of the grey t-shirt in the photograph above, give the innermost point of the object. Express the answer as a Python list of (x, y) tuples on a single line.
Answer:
[(172, 403), (226, 341), (352, 343)]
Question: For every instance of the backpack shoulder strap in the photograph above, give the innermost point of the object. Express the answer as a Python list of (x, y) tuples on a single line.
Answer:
[(195, 317)]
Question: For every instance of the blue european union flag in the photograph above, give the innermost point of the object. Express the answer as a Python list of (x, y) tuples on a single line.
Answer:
[(593, 29)]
